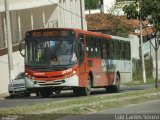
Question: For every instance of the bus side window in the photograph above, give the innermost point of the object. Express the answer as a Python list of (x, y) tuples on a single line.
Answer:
[(114, 49), (111, 47), (122, 51), (81, 48), (88, 46), (104, 49), (97, 47), (129, 46), (125, 51), (92, 47), (128, 54), (107, 48), (118, 50)]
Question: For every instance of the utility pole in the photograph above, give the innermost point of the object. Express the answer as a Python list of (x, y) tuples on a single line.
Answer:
[(9, 41), (81, 12), (89, 7), (141, 38), (156, 47), (156, 56), (142, 53)]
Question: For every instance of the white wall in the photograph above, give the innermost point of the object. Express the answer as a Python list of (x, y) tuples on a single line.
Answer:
[(154, 62), (1, 33), (25, 17), (135, 52), (134, 46), (14, 27), (92, 11), (51, 15), (70, 16), (110, 7), (108, 4), (18, 67)]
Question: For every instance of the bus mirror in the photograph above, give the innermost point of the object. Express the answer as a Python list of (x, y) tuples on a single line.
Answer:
[(74, 58), (22, 48)]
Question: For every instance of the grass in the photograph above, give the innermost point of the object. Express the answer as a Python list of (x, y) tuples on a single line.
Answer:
[(137, 73), (140, 82), (81, 105)]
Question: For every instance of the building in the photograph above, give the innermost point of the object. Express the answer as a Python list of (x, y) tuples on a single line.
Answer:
[(32, 14), (110, 6)]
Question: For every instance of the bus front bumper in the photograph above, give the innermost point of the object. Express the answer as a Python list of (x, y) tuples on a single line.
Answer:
[(67, 82)]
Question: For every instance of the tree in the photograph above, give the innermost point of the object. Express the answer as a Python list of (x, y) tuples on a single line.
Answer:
[(147, 10), (91, 4)]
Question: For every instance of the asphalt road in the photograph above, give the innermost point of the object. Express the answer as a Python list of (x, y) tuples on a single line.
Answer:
[(152, 107), (20, 100), (144, 111)]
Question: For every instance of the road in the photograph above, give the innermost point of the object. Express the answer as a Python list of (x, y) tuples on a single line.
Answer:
[(144, 111), (152, 107), (20, 101)]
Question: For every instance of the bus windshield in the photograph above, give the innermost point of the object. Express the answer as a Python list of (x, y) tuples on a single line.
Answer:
[(50, 51)]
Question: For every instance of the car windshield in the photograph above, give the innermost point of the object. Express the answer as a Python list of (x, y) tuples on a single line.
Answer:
[(20, 76)]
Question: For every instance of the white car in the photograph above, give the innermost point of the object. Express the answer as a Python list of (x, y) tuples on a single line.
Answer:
[(17, 86)]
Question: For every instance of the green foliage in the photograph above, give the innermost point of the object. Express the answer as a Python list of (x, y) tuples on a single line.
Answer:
[(137, 74), (119, 29), (91, 4), (145, 9), (131, 11), (123, 0)]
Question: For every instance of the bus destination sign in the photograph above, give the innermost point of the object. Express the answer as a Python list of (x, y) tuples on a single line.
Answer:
[(50, 33)]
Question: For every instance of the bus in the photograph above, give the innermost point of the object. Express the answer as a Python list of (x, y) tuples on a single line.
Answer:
[(72, 59)]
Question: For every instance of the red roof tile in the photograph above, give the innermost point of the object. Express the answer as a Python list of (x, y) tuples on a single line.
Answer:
[(108, 21)]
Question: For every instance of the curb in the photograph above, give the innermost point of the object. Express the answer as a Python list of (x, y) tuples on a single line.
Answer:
[(3, 95)]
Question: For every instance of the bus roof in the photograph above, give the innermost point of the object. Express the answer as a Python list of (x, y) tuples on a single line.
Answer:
[(85, 32), (77, 30)]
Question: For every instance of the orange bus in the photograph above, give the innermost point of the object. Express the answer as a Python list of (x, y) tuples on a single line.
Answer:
[(60, 58)]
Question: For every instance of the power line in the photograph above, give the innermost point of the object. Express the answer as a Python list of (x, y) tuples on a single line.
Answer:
[(66, 9)]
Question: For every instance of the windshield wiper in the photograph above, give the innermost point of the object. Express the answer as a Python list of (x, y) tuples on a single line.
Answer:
[(34, 67), (52, 67), (59, 67)]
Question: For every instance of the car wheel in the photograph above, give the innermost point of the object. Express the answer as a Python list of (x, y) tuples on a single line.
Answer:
[(27, 94), (46, 93), (12, 96), (58, 92)]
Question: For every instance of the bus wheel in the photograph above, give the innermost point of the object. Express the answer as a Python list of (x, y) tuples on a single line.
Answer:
[(114, 88), (45, 93), (77, 91), (84, 91), (87, 90)]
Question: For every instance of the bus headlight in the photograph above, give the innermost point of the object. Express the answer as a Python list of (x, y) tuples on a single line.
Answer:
[(31, 77), (74, 72)]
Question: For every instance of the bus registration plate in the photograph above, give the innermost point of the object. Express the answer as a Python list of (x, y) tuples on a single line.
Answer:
[(49, 82)]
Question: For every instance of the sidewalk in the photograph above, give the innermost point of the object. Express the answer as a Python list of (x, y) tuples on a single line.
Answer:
[(3, 95)]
